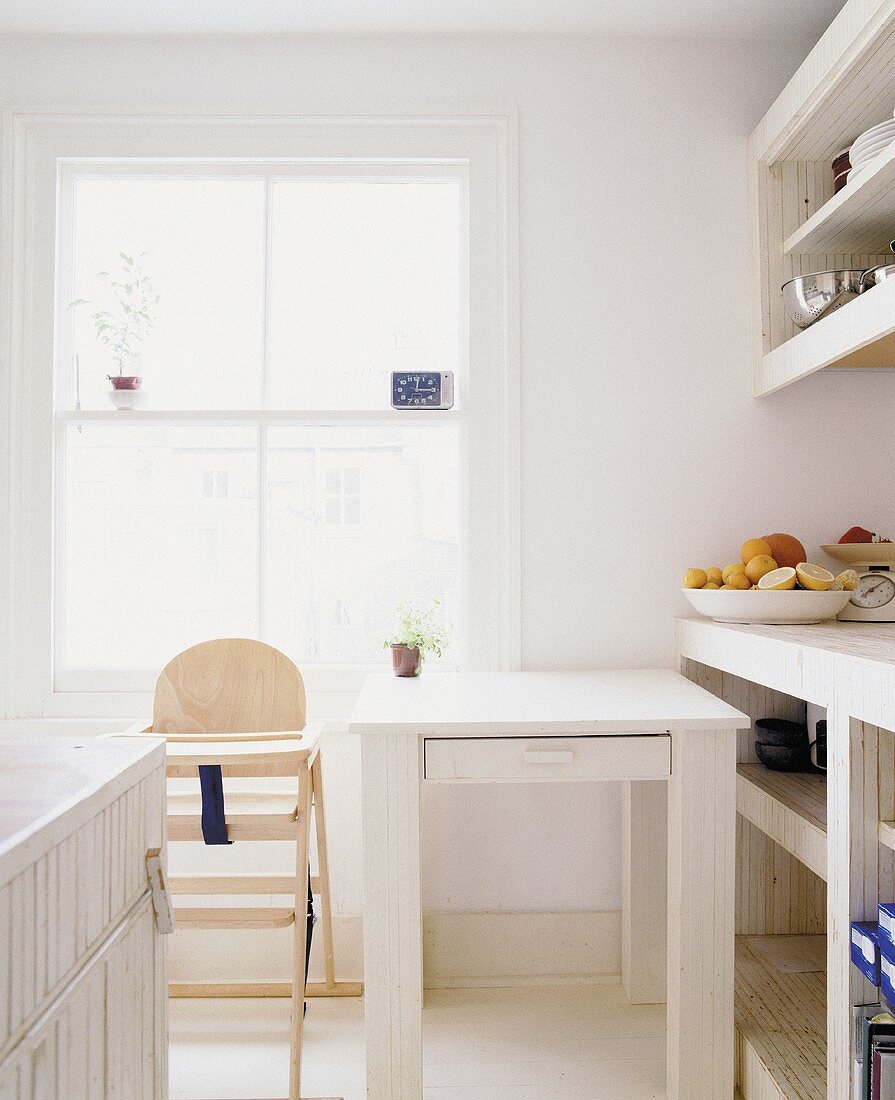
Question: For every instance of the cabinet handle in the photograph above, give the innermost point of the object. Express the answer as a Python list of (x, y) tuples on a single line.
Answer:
[(548, 756), (161, 899)]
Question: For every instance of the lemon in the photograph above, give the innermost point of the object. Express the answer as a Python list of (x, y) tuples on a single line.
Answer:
[(778, 580), (728, 588), (714, 575), (728, 571), (754, 548), (738, 580), (695, 578), (814, 577), (847, 581), (758, 566), (710, 584)]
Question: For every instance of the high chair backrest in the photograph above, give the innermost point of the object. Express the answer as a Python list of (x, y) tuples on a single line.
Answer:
[(229, 685)]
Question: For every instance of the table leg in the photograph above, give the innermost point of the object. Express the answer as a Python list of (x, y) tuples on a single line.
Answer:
[(701, 875), (393, 971), (644, 890)]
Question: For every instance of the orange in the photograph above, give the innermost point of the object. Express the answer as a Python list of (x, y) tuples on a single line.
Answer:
[(786, 550), (754, 548), (759, 565)]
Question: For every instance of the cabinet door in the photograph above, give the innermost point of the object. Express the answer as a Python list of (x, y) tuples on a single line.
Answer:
[(105, 1036), (58, 910)]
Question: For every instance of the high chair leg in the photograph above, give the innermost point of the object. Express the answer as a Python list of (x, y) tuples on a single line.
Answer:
[(300, 933), (325, 908)]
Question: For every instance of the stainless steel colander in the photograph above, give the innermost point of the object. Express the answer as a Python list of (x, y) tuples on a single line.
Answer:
[(809, 297)]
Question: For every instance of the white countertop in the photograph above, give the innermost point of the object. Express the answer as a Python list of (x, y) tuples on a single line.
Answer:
[(49, 786), (481, 704), (872, 642)]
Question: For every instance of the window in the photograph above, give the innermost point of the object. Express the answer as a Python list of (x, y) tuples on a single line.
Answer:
[(271, 293), (262, 485)]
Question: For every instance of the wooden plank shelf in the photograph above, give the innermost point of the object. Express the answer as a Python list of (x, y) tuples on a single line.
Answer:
[(859, 335), (780, 1012), (860, 218), (790, 808), (840, 90)]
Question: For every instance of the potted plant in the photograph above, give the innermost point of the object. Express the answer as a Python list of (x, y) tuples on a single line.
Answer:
[(125, 324), (418, 632)]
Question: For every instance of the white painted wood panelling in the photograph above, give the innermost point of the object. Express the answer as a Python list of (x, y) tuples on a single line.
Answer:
[(83, 970), (701, 839)]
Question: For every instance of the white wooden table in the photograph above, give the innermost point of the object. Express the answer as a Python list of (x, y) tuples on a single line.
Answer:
[(649, 727)]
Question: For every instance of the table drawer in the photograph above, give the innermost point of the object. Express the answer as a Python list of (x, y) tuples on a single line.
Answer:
[(541, 759)]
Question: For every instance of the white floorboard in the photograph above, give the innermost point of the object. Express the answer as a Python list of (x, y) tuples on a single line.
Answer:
[(565, 1043)]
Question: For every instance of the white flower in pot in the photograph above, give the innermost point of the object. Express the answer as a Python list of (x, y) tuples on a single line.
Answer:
[(418, 633), (124, 326)]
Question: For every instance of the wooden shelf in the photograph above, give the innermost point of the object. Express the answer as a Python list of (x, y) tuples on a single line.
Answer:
[(887, 833), (860, 218), (859, 335), (841, 88), (790, 808), (780, 1013)]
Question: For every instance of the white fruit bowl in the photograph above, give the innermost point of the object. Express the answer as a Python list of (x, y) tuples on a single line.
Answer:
[(770, 608)]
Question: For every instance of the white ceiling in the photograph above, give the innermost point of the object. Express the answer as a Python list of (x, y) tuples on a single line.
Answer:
[(755, 19)]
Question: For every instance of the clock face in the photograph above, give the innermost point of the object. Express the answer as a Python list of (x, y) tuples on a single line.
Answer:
[(874, 590), (422, 390)]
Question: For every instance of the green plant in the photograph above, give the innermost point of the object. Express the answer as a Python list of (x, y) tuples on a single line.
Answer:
[(129, 318), (419, 629)]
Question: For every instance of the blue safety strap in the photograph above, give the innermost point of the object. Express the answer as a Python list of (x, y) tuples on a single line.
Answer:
[(214, 822)]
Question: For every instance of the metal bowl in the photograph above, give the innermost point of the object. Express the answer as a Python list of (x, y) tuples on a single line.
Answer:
[(810, 297), (876, 275)]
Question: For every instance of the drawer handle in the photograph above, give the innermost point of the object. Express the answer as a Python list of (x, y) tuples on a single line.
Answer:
[(548, 756)]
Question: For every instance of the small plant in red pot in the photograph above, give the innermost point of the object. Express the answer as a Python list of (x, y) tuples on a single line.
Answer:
[(125, 325), (418, 632)]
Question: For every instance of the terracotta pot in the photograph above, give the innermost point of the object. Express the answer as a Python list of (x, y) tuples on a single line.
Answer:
[(125, 381), (406, 660)]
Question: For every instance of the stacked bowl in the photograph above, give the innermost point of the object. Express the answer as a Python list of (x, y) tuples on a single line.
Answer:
[(866, 148)]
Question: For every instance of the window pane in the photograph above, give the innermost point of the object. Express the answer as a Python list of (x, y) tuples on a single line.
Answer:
[(332, 590), (365, 280), (204, 242), (156, 558)]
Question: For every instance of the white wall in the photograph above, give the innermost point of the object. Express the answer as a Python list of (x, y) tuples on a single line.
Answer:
[(642, 450)]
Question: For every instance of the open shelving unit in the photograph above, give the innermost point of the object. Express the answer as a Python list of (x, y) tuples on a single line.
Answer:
[(845, 85), (813, 852)]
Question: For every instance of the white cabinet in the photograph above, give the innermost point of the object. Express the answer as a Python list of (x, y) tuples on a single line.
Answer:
[(83, 967)]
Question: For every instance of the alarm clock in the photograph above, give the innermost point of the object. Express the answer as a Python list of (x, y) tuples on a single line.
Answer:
[(873, 601), (422, 389)]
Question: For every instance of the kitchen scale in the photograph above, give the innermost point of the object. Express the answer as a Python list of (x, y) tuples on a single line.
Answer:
[(873, 601)]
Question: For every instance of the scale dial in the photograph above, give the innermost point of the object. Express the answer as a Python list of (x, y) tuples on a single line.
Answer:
[(874, 591)]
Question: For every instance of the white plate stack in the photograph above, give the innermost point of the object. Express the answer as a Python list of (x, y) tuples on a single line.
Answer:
[(866, 148)]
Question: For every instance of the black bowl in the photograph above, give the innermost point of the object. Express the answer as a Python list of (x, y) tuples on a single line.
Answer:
[(783, 758), (777, 731)]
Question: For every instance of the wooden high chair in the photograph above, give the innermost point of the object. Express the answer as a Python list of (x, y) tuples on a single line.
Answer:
[(239, 706)]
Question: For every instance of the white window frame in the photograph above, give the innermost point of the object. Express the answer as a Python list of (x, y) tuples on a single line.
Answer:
[(35, 144)]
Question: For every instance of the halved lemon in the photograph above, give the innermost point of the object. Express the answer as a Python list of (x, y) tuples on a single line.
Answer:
[(778, 580), (847, 581), (814, 577)]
